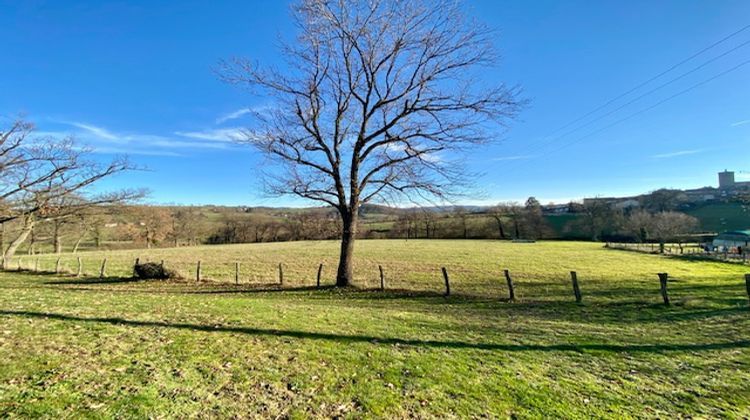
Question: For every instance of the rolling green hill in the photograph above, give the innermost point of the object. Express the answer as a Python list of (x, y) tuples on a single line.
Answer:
[(720, 217)]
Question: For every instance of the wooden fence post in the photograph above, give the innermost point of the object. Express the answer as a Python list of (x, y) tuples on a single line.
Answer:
[(57, 266), (511, 291), (663, 277), (447, 282), (320, 272), (137, 261), (237, 272), (198, 272), (103, 270), (576, 289), (19, 263), (747, 285), (382, 278), (80, 267), (281, 275)]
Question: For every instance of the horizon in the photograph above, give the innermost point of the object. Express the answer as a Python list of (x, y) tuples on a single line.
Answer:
[(739, 177), (119, 78)]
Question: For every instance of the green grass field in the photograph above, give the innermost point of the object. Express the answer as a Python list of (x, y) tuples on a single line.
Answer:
[(111, 347)]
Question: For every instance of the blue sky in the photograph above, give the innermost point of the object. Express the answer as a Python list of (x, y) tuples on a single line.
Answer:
[(137, 78)]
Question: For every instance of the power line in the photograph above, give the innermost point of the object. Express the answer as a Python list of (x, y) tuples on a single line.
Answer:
[(545, 140), (669, 98), (733, 34), (637, 98)]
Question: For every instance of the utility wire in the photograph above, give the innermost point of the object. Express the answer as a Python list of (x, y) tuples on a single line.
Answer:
[(733, 34), (545, 140), (669, 98), (637, 98)]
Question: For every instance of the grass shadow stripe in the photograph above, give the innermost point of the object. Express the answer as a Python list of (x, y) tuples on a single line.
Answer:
[(650, 348)]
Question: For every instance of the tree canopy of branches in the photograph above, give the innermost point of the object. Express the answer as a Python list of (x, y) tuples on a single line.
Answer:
[(380, 95), (508, 210), (534, 224), (44, 178), (663, 200), (599, 218), (662, 227), (151, 225)]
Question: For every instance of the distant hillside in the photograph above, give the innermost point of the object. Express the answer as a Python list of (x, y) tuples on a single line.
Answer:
[(720, 217)]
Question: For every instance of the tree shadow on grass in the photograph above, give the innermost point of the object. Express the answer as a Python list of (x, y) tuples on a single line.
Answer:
[(187, 287), (95, 280), (343, 338), (623, 305), (330, 291), (223, 288)]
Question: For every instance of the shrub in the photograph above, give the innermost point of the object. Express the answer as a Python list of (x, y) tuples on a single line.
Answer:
[(154, 271)]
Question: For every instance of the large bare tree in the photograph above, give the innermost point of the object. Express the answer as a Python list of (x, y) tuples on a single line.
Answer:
[(375, 102)]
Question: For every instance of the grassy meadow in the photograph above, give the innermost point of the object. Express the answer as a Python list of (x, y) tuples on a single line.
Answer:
[(115, 347)]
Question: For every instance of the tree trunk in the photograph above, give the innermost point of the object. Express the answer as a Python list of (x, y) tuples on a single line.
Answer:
[(56, 238), (500, 227), (78, 243), (97, 238), (345, 275), (32, 242), (28, 226)]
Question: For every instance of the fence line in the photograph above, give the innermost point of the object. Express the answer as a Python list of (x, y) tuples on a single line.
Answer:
[(685, 250), (61, 268)]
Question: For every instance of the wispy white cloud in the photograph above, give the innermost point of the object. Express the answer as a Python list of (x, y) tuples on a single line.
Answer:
[(433, 157), (519, 157), (96, 131), (131, 151), (233, 115), (739, 123), (676, 154), (102, 140), (218, 134), (237, 114), (85, 142)]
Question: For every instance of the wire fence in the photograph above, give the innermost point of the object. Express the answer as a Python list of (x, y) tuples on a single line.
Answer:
[(471, 280), (685, 249)]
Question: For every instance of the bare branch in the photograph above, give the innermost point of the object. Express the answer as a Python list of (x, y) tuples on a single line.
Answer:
[(380, 98)]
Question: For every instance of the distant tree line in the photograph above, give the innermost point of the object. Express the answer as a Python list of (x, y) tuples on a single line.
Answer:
[(655, 219), (46, 206)]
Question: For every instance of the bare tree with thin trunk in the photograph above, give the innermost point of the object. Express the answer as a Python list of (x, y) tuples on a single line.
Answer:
[(46, 179), (379, 99), (670, 225), (503, 212), (462, 214)]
